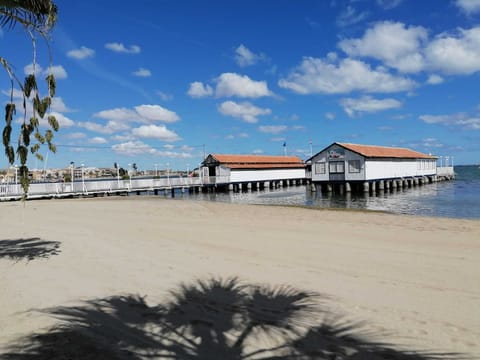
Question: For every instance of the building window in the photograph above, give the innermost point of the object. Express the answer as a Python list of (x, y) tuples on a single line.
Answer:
[(353, 166), (320, 168), (336, 167)]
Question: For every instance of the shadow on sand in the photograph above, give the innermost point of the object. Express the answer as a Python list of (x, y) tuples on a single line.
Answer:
[(210, 319), (28, 249)]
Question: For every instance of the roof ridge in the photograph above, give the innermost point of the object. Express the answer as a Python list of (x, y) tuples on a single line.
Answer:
[(382, 146)]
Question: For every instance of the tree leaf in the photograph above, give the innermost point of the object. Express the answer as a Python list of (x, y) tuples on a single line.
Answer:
[(10, 154), (7, 131), (22, 153), (25, 131), (52, 120), (30, 84), (52, 84), (48, 135), (39, 137), (34, 122), (9, 112)]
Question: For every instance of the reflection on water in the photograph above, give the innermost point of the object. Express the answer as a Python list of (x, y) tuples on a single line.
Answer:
[(445, 199), (458, 199)]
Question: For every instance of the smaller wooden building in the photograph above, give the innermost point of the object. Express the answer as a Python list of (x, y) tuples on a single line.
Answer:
[(353, 167), (252, 171)]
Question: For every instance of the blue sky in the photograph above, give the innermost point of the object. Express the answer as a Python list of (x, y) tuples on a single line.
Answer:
[(159, 82)]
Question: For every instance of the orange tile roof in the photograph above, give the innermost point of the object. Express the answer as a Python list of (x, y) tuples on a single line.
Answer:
[(385, 152), (258, 161)]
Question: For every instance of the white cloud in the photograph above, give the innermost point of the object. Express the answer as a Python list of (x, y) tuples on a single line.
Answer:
[(245, 111), (120, 48), (455, 54), (368, 104), (199, 90), (431, 143), (350, 16), (133, 148), (142, 113), (434, 79), (31, 69), (408, 49), (156, 113), (142, 72), (111, 126), (298, 127), (244, 57), (468, 6), (122, 137), (97, 140), (389, 4), (272, 129), (117, 114), (164, 96), (315, 75), (385, 128), (155, 132), (81, 53), (58, 105), (58, 71), (232, 84), (330, 116), (462, 120), (76, 135), (393, 43)]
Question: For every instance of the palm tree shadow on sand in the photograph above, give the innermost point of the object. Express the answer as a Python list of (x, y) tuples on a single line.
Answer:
[(28, 249), (210, 319)]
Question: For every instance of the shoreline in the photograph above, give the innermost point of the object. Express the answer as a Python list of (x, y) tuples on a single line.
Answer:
[(414, 278), (182, 198)]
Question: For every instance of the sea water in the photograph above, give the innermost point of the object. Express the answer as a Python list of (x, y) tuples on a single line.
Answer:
[(459, 198)]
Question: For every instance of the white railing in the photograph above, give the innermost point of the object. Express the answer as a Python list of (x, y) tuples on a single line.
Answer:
[(445, 171), (62, 189), (88, 187)]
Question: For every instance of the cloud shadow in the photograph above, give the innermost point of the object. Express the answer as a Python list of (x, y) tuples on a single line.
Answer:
[(209, 319)]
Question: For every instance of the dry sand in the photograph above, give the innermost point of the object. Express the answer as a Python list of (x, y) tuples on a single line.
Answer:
[(415, 278)]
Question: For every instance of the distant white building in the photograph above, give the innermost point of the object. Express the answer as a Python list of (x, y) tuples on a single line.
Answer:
[(349, 167), (242, 171)]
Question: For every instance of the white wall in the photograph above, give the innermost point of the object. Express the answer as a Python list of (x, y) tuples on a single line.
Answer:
[(237, 175), (385, 169)]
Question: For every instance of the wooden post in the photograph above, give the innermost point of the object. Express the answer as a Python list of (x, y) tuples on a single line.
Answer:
[(366, 187)]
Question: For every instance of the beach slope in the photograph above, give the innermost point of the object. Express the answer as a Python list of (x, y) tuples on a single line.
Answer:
[(413, 281)]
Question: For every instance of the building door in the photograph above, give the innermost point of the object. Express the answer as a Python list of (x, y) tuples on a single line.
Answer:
[(336, 170)]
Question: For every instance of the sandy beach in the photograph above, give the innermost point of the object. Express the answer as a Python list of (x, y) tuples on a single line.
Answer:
[(412, 281)]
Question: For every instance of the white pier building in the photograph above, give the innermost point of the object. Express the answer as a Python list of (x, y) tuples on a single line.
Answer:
[(343, 167), (241, 172)]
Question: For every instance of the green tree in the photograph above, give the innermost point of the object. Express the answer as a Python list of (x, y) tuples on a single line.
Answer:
[(37, 17)]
